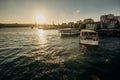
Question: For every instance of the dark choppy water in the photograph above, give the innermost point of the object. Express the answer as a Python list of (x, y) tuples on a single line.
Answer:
[(34, 54)]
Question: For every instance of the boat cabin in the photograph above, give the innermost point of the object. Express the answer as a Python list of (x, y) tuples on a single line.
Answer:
[(89, 37)]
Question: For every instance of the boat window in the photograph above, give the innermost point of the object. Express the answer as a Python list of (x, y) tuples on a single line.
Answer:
[(93, 34), (90, 35)]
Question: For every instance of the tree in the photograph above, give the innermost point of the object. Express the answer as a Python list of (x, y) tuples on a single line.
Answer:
[(82, 26)]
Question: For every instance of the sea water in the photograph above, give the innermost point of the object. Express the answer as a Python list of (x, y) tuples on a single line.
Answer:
[(37, 54)]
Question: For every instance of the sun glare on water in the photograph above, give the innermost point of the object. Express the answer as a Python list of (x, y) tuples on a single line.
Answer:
[(41, 35), (40, 19)]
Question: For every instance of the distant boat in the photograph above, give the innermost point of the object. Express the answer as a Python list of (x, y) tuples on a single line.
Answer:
[(69, 32), (34, 27), (89, 37)]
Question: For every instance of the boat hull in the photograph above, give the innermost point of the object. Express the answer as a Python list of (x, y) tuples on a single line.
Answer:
[(69, 32), (89, 42)]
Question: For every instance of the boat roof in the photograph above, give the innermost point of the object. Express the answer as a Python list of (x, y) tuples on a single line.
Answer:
[(67, 29), (87, 30)]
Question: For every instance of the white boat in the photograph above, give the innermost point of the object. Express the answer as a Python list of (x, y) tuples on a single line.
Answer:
[(69, 32), (89, 37)]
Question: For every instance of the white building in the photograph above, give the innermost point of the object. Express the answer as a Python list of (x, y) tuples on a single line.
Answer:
[(106, 18), (117, 18), (109, 21), (93, 25)]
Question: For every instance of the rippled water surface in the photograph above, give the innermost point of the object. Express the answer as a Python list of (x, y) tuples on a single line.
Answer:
[(36, 54)]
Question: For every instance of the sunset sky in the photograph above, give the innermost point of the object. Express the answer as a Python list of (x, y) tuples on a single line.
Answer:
[(57, 11)]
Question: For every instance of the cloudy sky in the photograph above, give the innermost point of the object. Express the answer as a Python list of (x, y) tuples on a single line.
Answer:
[(26, 11)]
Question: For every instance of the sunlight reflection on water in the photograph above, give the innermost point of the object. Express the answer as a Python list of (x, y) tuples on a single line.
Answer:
[(42, 35)]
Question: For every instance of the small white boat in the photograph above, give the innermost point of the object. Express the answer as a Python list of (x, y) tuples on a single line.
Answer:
[(69, 32), (89, 37)]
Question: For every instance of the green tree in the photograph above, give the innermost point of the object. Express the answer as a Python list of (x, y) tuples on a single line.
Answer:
[(82, 26)]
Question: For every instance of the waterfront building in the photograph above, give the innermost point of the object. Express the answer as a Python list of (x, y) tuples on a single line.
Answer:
[(117, 18), (109, 21), (93, 25), (106, 18)]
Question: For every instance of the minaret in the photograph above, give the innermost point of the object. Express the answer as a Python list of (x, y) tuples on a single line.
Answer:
[(53, 23)]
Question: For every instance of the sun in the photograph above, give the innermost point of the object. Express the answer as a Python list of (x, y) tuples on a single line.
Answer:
[(40, 19)]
